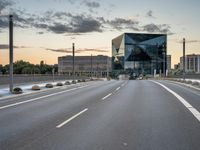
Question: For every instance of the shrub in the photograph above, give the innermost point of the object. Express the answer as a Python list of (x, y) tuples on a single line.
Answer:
[(49, 85), (17, 90), (59, 84), (35, 88), (67, 83), (83, 80)]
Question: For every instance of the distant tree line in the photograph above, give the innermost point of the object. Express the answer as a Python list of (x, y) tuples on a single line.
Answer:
[(23, 67)]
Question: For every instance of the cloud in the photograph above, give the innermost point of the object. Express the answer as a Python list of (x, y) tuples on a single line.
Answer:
[(40, 32), (121, 23), (61, 22), (153, 28), (84, 24), (3, 22), (92, 50), (91, 4), (188, 41), (80, 50), (72, 1), (150, 14), (59, 28), (4, 4), (6, 46), (62, 50)]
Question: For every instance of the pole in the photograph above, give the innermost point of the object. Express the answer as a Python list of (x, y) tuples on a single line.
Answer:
[(107, 67), (73, 62), (11, 52), (164, 61), (91, 66), (53, 71), (184, 58)]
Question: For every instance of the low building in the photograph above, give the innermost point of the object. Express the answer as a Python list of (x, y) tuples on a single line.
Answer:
[(97, 65), (192, 63)]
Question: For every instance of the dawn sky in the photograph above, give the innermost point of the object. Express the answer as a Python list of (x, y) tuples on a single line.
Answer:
[(46, 29)]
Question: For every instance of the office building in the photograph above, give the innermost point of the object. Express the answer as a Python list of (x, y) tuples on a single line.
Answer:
[(97, 65), (139, 53), (192, 63)]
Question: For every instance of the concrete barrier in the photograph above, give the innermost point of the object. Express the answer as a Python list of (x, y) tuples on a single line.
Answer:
[(4, 79)]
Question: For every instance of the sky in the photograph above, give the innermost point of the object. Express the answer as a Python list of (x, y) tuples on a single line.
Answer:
[(46, 29)]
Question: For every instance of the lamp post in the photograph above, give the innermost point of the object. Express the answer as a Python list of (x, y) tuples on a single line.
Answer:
[(11, 52), (73, 62), (183, 58), (164, 61), (91, 69), (53, 71)]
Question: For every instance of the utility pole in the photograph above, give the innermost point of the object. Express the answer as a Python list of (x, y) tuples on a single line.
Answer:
[(183, 58), (107, 67), (164, 61), (73, 62), (11, 52), (91, 69)]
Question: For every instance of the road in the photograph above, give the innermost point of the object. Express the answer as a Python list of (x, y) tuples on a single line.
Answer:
[(103, 115)]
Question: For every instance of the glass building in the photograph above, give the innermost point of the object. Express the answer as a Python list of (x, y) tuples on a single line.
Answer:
[(139, 53)]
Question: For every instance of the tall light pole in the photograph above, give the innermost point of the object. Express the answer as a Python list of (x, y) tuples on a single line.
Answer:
[(107, 67), (73, 62), (91, 63), (164, 61), (184, 58), (11, 52)]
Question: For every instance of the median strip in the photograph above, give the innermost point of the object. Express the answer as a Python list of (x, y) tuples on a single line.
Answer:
[(35, 99), (106, 96), (195, 112), (70, 119)]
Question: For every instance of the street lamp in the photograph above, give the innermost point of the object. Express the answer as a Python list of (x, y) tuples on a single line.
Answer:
[(11, 52), (91, 70), (183, 58), (164, 60), (73, 62)]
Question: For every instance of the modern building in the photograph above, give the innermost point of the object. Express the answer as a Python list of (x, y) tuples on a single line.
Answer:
[(97, 65), (192, 63), (168, 62), (140, 53)]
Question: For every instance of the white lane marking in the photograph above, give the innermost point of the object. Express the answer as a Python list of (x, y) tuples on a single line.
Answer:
[(117, 88), (106, 96), (35, 99), (195, 112), (70, 119)]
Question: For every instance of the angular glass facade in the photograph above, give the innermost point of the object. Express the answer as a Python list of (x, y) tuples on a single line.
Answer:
[(139, 53)]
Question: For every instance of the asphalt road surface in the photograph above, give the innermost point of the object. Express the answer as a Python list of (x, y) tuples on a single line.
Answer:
[(103, 115)]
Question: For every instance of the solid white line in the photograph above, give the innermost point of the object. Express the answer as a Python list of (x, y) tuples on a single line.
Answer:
[(70, 119), (35, 99), (106, 96), (195, 112), (117, 88)]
